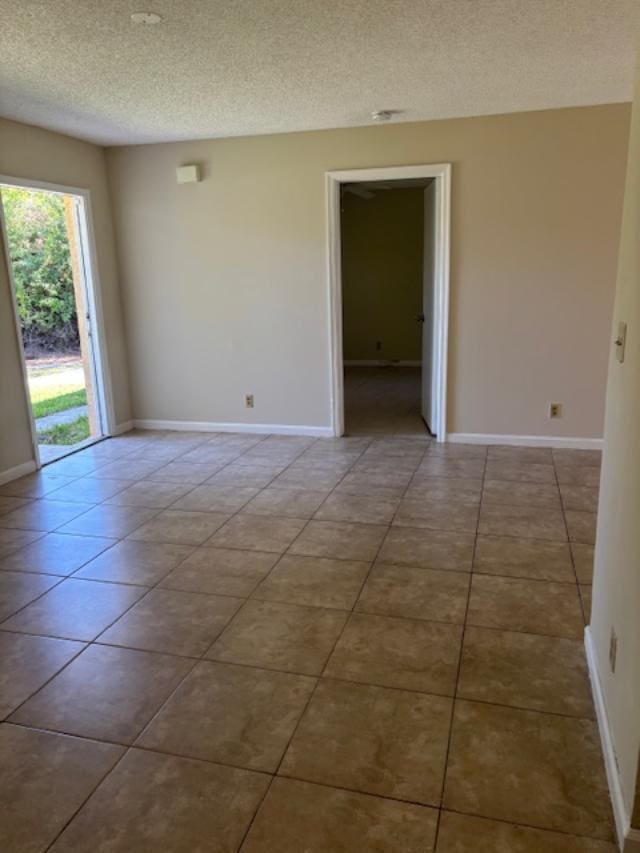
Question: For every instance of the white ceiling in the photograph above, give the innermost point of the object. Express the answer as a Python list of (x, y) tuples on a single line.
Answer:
[(236, 67)]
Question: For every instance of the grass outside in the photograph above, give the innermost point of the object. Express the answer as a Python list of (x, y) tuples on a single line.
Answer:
[(70, 433), (49, 399)]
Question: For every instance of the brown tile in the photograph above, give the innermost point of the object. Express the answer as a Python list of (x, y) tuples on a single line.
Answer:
[(383, 486), (17, 589), (406, 653), (26, 663), (451, 450), (317, 479), (525, 472), (581, 498), (415, 593), (316, 581), (280, 636), (545, 495), (149, 494), (578, 475), (92, 490), (300, 816), (340, 541), (233, 714), (358, 509), (128, 469), (428, 549), (237, 474), (521, 455), (581, 526), (460, 833), (210, 498), (380, 464), (437, 515), (591, 458), (585, 595), (74, 609), (109, 521), (446, 489), (583, 561), (496, 752), (295, 503), (525, 558), (34, 485), (221, 571), (459, 468), (11, 539), (56, 554), (372, 739), (45, 779), (143, 563), (525, 671), (7, 503), (536, 607), (185, 472), (136, 807), (44, 514), (179, 527), (522, 521), (258, 533), (106, 693)]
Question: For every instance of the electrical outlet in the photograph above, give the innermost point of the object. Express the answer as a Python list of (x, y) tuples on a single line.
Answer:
[(613, 650), (248, 401), (555, 410)]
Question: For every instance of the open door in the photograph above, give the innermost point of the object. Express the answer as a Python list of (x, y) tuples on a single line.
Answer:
[(429, 390)]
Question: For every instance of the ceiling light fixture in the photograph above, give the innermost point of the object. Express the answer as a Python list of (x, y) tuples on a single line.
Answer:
[(146, 18), (384, 115)]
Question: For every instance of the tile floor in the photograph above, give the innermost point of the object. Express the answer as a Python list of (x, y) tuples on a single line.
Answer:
[(383, 401), (283, 644)]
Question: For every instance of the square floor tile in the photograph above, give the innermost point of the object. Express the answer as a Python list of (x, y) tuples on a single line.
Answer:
[(415, 593), (406, 653), (536, 607), (149, 494), (185, 472), (581, 526), (136, 807), (19, 588), (280, 636), (56, 554), (258, 533), (522, 455), (34, 485), (294, 503), (233, 714), (592, 458), (216, 498), (26, 663), (495, 753), (525, 671), (7, 503), (460, 833), (109, 521), (581, 498), (382, 486), (438, 466), (525, 472), (45, 779), (545, 495), (44, 514), (92, 490), (316, 581), (128, 469), (372, 739), (522, 521), (167, 620), (358, 509), (524, 558), (106, 693), (221, 571), (428, 549), (437, 515), (180, 527), (583, 561), (299, 816), (316, 479), (445, 489), (237, 474), (578, 475), (585, 597), (143, 563), (339, 540), (74, 609)]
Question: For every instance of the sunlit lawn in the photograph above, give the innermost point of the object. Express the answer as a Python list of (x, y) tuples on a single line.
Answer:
[(54, 391), (70, 433)]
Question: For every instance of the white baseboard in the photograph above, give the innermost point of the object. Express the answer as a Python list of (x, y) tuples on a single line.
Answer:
[(558, 441), (18, 471), (125, 426), (211, 426), (372, 362), (628, 839)]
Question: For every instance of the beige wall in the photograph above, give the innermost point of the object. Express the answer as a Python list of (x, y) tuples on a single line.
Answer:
[(36, 154), (616, 585), (225, 281), (382, 242)]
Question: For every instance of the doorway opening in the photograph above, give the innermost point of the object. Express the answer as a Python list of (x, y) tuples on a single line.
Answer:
[(389, 286), (46, 234)]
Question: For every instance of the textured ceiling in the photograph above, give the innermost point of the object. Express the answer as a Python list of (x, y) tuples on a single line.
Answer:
[(235, 67)]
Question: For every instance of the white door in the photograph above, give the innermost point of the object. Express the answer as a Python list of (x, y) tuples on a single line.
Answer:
[(429, 395)]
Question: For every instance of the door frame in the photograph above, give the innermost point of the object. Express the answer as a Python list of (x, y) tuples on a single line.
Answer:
[(442, 174), (85, 234)]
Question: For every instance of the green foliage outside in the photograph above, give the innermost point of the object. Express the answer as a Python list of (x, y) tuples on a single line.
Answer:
[(49, 405), (71, 433), (39, 250)]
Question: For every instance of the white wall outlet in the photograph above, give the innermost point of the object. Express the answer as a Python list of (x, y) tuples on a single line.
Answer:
[(555, 410), (613, 650), (248, 401)]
